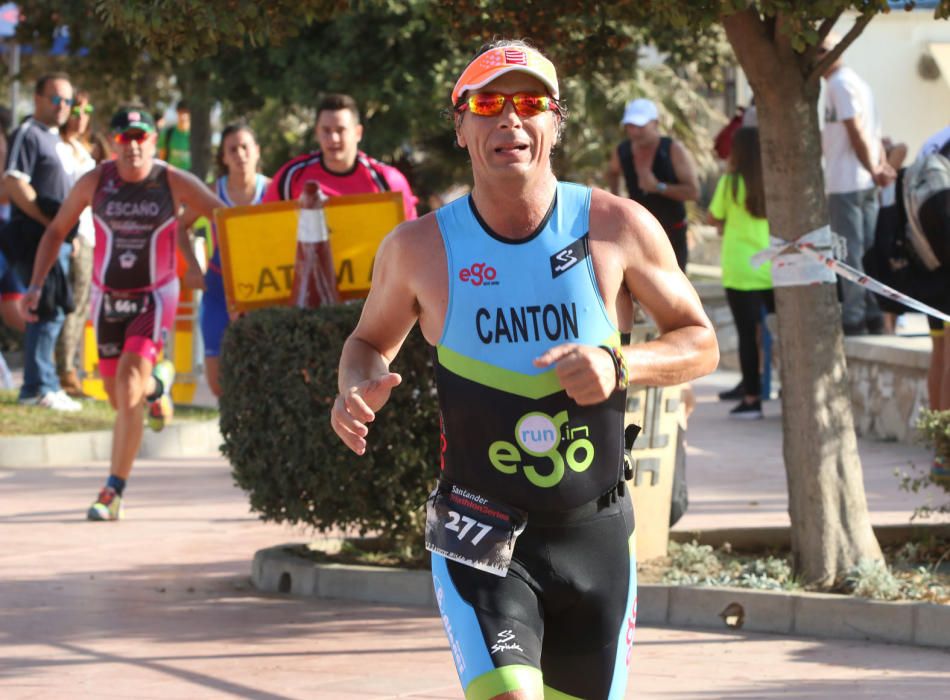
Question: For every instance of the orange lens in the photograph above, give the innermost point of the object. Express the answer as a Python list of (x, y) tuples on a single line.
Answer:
[(528, 105), (486, 104), (130, 136), (491, 104)]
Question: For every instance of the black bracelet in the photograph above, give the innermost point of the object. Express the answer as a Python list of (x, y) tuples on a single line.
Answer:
[(621, 372)]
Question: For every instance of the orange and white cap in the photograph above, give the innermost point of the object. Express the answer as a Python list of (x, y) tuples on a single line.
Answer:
[(505, 59)]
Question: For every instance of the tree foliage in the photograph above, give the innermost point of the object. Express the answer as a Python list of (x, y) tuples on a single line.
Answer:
[(424, 48), (99, 59), (190, 29), (406, 53)]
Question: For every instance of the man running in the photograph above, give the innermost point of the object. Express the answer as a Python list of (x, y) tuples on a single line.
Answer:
[(339, 166), (134, 200), (523, 288)]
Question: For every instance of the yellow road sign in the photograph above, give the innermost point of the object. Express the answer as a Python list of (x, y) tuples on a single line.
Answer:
[(258, 246)]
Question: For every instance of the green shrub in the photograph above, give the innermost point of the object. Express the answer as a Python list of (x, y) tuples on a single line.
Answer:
[(279, 376), (693, 564), (934, 427), (934, 430)]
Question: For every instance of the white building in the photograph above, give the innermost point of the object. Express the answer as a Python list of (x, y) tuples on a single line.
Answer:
[(905, 58)]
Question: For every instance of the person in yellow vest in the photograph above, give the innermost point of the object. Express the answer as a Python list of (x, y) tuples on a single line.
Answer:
[(738, 211)]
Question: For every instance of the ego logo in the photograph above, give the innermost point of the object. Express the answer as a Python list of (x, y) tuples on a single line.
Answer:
[(631, 628), (479, 274), (540, 436)]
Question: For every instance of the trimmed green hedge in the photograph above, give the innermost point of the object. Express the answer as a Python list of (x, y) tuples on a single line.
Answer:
[(279, 379)]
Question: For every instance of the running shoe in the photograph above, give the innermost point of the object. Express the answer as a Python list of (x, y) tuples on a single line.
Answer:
[(161, 409), (53, 400), (733, 394), (747, 411), (108, 506)]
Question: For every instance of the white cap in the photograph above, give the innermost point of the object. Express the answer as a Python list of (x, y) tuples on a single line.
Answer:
[(640, 112)]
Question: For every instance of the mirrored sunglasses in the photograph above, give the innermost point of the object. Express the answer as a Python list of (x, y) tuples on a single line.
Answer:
[(491, 104), (84, 109), (57, 100), (126, 137)]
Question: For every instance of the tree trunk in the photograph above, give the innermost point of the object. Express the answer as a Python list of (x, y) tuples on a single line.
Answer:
[(194, 82), (831, 530)]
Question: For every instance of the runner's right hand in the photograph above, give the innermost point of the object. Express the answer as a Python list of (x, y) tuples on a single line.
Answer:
[(27, 305), (357, 406)]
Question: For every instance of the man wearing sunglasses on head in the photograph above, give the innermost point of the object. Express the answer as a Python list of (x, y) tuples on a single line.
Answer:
[(37, 183), (524, 288), (134, 200)]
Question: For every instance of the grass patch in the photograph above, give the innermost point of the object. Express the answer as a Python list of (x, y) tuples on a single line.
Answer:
[(912, 571), (95, 415)]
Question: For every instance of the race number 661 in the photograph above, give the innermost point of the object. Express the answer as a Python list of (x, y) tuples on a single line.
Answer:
[(466, 526)]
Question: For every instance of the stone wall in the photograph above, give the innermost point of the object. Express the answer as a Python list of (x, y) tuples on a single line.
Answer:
[(888, 384), (888, 373)]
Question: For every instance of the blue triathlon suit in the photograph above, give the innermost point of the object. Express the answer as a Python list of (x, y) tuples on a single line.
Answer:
[(214, 309), (564, 615)]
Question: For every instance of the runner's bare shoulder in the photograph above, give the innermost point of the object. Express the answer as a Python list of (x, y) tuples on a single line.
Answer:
[(625, 223), (414, 245)]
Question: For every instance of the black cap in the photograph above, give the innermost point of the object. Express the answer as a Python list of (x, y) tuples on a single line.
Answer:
[(131, 118)]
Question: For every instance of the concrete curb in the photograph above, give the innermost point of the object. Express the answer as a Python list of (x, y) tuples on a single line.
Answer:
[(780, 537), (183, 439), (279, 570)]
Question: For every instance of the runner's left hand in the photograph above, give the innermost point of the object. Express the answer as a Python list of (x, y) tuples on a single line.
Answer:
[(585, 371)]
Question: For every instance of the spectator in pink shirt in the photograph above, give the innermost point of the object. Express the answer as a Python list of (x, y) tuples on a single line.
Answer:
[(339, 166)]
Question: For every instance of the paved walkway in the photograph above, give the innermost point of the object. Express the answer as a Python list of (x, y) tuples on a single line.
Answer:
[(736, 473), (160, 605)]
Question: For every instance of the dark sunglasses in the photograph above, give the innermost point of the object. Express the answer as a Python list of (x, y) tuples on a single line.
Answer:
[(57, 100), (85, 109), (491, 104), (126, 137)]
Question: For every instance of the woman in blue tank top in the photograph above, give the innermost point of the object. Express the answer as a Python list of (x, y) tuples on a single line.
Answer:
[(239, 184)]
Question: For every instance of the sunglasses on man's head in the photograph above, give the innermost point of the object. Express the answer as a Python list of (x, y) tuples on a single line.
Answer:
[(491, 104), (57, 100), (84, 109), (126, 137)]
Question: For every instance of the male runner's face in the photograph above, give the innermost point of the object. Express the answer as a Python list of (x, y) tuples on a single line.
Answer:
[(339, 135), (136, 153), (49, 113), (643, 134), (507, 144), (241, 153)]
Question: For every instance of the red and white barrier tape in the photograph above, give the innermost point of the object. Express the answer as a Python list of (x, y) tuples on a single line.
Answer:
[(817, 245)]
